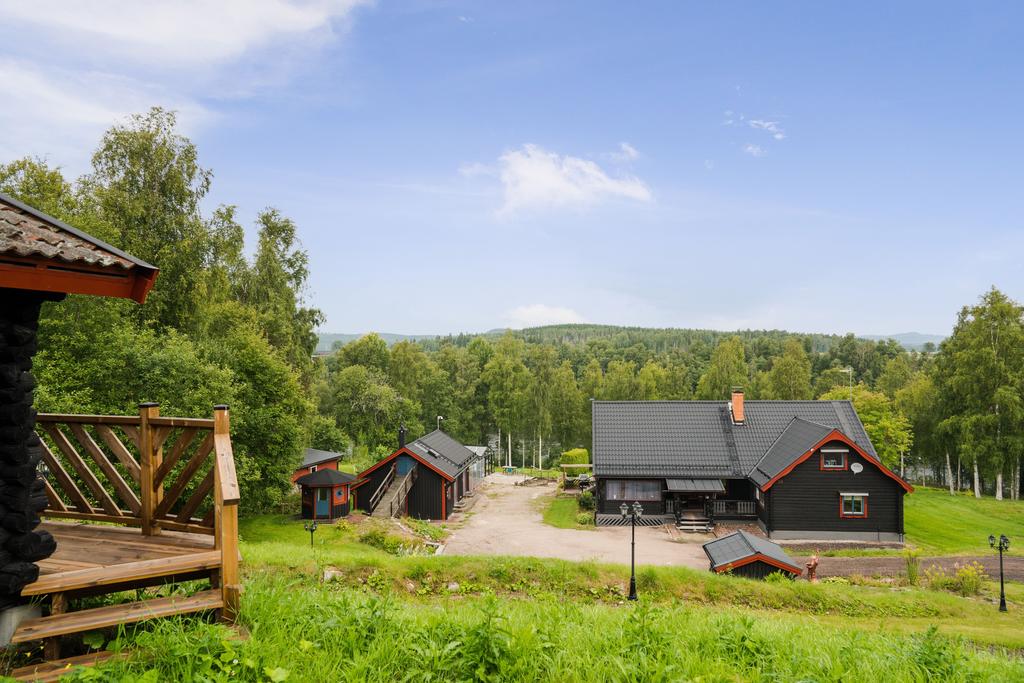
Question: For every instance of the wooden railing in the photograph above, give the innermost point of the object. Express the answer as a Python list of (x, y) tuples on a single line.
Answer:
[(150, 472), (739, 508), (375, 498), (396, 503)]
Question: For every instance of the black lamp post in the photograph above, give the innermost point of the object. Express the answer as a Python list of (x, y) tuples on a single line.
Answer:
[(311, 528), (1002, 545), (632, 513)]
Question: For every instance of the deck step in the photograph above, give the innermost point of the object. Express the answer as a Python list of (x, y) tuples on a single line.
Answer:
[(62, 582), (46, 672), (112, 615)]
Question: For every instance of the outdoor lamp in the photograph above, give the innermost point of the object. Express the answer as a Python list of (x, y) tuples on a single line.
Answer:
[(1002, 546), (638, 509), (991, 541), (624, 509)]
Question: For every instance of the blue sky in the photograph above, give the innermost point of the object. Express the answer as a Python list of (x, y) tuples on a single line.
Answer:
[(461, 166)]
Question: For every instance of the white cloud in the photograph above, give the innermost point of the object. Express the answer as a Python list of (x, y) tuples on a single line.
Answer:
[(770, 127), (534, 315), (533, 177), (175, 32), (61, 114), (754, 150), (83, 66), (626, 153)]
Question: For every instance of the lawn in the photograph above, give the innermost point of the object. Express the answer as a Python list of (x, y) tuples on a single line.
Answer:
[(562, 511), (956, 525), (387, 615)]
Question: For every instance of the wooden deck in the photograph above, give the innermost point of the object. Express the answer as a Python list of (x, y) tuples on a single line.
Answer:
[(126, 515)]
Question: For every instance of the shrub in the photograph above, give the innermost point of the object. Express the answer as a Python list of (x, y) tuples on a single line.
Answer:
[(777, 577), (575, 456), (937, 579), (912, 557), (585, 519), (969, 578), (586, 500)]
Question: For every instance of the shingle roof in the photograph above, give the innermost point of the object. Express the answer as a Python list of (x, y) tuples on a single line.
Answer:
[(312, 456), (741, 545), (798, 438), (443, 452), (325, 478), (27, 232), (697, 439)]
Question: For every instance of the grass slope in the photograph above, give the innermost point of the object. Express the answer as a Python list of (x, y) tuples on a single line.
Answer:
[(955, 525)]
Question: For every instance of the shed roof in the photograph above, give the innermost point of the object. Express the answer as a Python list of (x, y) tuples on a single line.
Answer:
[(740, 546), (46, 254), (322, 478), (443, 452), (313, 456), (697, 439)]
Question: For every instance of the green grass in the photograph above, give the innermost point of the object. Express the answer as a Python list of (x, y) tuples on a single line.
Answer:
[(957, 525), (561, 512), (301, 630)]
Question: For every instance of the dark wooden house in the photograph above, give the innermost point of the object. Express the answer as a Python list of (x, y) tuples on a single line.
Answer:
[(325, 494), (158, 495), (745, 554), (801, 469), (425, 479), (314, 460)]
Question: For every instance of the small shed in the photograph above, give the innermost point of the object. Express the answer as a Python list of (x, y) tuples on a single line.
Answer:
[(325, 494), (745, 554), (314, 459)]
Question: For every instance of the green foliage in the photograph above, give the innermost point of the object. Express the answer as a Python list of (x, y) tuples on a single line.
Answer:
[(887, 428), (586, 501), (790, 376), (728, 369), (912, 559), (967, 578), (575, 456)]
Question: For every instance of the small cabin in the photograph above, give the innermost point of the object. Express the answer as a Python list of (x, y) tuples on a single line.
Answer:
[(325, 494), (745, 554), (314, 460)]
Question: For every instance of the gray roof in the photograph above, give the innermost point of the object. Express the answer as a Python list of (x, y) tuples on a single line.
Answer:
[(741, 545), (695, 485), (325, 478), (28, 232), (443, 452), (798, 438), (312, 456), (697, 439)]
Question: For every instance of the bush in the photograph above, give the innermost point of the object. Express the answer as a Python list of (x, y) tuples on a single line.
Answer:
[(586, 500), (967, 579), (585, 519), (575, 456), (778, 577)]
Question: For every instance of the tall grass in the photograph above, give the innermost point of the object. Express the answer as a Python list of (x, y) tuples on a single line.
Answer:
[(309, 632)]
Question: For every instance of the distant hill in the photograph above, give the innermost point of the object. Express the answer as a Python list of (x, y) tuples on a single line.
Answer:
[(667, 337), (911, 341)]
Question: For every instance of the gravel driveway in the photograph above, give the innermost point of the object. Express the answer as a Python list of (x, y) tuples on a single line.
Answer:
[(506, 520)]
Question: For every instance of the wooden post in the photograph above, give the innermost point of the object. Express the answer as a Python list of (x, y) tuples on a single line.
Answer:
[(149, 461), (51, 646), (226, 512)]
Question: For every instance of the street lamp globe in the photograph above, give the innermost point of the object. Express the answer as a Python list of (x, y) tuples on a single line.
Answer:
[(991, 541), (624, 509), (1004, 541), (638, 509)]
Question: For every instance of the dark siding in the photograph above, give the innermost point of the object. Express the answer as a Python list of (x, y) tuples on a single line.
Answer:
[(757, 570), (340, 510), (611, 507), (424, 501), (366, 491), (807, 499)]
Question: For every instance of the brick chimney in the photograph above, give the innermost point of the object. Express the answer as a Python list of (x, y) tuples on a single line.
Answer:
[(401, 436), (736, 406)]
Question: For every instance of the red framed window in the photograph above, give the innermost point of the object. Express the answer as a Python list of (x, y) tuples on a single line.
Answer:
[(835, 458), (853, 505)]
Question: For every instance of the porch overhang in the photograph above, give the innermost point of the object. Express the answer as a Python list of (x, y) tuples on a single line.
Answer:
[(694, 486)]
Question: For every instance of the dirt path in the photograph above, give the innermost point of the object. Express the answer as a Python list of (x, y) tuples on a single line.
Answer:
[(894, 566), (506, 520)]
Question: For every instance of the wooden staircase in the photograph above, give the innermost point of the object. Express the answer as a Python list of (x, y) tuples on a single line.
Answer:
[(175, 519)]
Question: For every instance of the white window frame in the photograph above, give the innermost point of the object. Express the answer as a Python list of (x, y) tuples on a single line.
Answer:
[(845, 452), (862, 497)]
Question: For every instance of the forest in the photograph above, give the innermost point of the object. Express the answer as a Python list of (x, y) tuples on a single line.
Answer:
[(226, 324)]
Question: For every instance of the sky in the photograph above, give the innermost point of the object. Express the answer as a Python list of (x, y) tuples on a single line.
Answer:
[(458, 166)]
